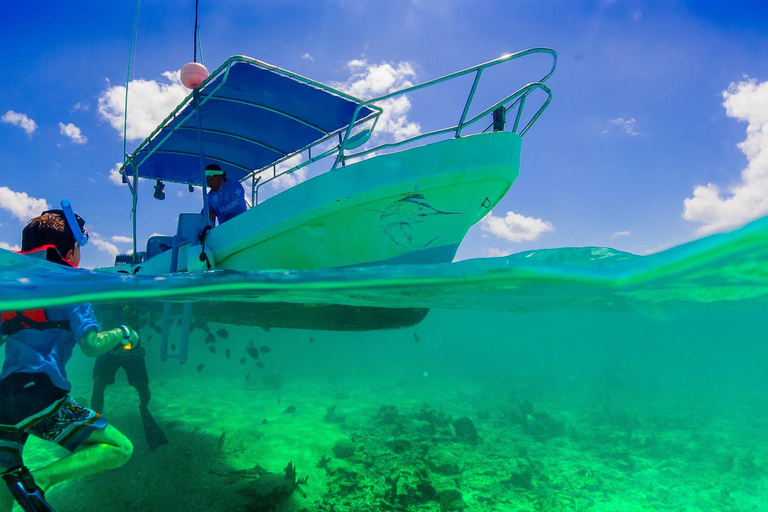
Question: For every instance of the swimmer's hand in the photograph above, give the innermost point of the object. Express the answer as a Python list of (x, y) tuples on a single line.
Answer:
[(130, 337), (95, 343)]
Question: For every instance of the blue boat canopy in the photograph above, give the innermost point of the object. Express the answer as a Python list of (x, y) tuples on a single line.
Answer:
[(252, 114)]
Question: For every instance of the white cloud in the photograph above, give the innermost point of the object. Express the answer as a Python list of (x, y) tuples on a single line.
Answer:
[(115, 176), (286, 181), (747, 200), (356, 64), (20, 120), (515, 227), (626, 126), (9, 247), (371, 80), (21, 205), (307, 56), (79, 107), (622, 233), (149, 102), (493, 252), (103, 245), (73, 132), (394, 119), (121, 239)]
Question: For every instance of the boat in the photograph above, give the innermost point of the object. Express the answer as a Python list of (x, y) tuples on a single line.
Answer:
[(374, 205), (408, 201)]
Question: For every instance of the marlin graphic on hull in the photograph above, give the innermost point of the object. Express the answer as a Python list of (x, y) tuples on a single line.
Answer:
[(401, 220)]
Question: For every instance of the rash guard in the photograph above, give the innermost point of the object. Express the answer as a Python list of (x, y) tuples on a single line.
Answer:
[(228, 201), (47, 351)]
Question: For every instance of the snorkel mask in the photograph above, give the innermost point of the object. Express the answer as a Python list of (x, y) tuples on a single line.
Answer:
[(75, 223), (80, 234)]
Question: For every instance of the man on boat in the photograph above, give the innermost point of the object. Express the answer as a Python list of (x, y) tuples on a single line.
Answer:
[(34, 390), (226, 198)]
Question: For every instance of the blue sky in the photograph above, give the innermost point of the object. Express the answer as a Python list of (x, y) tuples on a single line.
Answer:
[(656, 134)]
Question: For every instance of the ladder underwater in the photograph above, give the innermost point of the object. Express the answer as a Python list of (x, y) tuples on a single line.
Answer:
[(182, 342)]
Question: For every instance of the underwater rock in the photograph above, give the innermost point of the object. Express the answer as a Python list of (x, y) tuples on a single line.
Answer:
[(444, 463), (344, 477), (343, 449), (345, 469), (521, 474), (541, 426), (407, 488), (399, 444), (290, 409), (223, 333), (465, 430), (438, 418), (387, 415), (266, 491), (451, 500), (424, 427)]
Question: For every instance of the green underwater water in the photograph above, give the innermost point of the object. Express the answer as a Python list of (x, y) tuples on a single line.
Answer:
[(567, 379)]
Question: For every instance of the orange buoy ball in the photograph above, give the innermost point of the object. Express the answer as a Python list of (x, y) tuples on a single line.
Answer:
[(193, 74)]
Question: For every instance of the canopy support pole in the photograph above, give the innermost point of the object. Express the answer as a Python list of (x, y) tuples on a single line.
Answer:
[(196, 99), (135, 196)]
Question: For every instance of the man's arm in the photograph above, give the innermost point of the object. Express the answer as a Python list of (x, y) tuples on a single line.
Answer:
[(94, 343)]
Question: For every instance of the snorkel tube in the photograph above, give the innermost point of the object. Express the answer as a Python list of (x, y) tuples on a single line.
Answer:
[(80, 238)]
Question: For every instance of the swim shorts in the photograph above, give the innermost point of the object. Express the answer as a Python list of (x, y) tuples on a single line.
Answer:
[(31, 404), (132, 361)]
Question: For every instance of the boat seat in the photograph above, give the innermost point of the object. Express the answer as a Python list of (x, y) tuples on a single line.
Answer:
[(190, 226), (157, 244)]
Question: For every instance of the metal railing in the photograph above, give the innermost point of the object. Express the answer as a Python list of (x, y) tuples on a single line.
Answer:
[(350, 141)]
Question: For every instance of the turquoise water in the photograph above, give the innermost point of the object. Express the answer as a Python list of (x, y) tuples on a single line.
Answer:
[(567, 379)]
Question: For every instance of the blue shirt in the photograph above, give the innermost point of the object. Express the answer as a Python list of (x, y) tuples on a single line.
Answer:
[(228, 201), (48, 351)]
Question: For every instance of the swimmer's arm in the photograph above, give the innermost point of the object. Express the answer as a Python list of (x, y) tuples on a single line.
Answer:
[(95, 343)]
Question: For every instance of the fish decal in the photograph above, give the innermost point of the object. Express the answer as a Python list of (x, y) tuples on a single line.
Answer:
[(399, 219)]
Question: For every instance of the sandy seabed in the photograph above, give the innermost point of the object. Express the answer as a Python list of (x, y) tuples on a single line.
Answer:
[(407, 421)]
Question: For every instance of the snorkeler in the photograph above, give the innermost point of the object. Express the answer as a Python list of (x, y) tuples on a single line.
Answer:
[(34, 390), (132, 361)]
